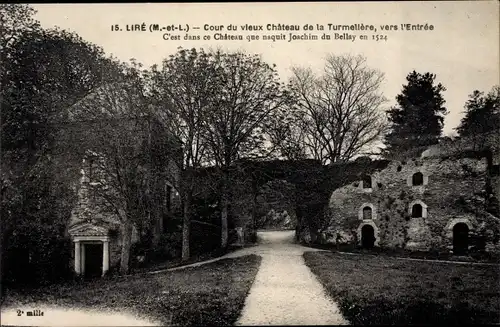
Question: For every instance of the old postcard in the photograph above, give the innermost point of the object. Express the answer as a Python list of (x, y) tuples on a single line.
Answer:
[(324, 163)]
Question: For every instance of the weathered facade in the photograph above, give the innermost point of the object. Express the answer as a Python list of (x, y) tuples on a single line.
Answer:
[(95, 227), (129, 176), (435, 202)]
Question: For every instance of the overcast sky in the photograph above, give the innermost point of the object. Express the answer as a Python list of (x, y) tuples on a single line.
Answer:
[(462, 50)]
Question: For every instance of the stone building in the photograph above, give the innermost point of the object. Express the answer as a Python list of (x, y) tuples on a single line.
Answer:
[(133, 164), (95, 227), (434, 202)]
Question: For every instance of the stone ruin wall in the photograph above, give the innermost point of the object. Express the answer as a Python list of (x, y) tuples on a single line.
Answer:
[(450, 183), (93, 209)]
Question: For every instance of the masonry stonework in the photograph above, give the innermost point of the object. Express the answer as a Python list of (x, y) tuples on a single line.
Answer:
[(92, 213), (446, 186)]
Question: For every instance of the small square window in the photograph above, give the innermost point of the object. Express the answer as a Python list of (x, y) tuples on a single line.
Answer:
[(367, 181)]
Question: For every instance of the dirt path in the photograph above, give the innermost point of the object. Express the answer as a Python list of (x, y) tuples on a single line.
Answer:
[(285, 291)]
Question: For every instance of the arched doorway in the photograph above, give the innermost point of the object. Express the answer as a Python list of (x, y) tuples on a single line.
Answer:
[(416, 211), (460, 238), (367, 237)]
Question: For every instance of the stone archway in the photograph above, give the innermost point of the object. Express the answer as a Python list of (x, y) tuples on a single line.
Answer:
[(460, 238), (417, 209), (368, 234)]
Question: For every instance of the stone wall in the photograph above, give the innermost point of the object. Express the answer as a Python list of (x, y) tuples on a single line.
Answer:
[(308, 187), (91, 207), (449, 185)]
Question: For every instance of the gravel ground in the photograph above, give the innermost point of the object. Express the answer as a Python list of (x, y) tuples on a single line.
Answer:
[(285, 291)]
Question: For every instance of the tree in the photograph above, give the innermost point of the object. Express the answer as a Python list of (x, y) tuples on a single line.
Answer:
[(419, 117), (15, 19), (247, 95), (340, 110), (183, 91), (44, 72), (286, 132), (482, 116)]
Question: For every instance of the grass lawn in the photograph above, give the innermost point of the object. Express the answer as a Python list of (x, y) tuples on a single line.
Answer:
[(212, 294), (177, 262), (385, 290), (403, 253)]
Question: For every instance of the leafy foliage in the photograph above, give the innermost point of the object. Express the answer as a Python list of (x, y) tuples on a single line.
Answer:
[(418, 119), (43, 72), (182, 93), (482, 114)]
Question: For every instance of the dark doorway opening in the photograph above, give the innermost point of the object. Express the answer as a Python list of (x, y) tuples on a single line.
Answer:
[(416, 211), (460, 239), (367, 237), (93, 260)]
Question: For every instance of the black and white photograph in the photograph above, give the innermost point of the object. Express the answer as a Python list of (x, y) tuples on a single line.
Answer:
[(250, 163)]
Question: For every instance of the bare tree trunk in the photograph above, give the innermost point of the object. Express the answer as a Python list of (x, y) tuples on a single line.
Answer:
[(224, 208), (186, 225), (224, 230), (126, 246), (254, 209)]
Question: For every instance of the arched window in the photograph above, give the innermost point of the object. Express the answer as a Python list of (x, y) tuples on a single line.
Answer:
[(367, 212), (367, 181), (416, 211), (417, 179)]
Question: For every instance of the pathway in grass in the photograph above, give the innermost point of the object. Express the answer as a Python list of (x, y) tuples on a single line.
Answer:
[(285, 292)]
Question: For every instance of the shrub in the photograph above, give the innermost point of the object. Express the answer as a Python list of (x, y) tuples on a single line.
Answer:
[(168, 248)]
